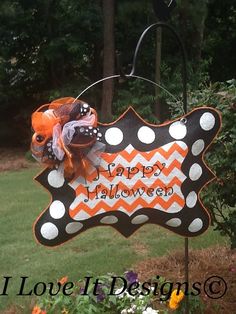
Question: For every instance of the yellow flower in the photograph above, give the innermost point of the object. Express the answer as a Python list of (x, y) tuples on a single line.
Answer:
[(64, 311), (173, 305), (175, 298), (36, 310)]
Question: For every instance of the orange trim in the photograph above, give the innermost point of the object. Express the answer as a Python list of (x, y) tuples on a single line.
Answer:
[(155, 125)]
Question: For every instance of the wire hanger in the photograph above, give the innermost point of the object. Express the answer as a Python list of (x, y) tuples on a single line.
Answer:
[(133, 75)]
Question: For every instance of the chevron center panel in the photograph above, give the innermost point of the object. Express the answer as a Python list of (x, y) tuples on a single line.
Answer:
[(130, 180)]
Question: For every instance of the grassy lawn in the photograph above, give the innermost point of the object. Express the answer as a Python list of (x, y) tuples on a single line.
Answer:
[(99, 250)]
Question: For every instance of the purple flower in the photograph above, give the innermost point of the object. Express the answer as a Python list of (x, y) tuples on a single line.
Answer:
[(131, 277), (101, 295)]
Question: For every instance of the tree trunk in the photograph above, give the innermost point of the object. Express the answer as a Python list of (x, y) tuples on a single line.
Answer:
[(192, 19), (198, 41), (48, 21), (157, 109), (108, 59)]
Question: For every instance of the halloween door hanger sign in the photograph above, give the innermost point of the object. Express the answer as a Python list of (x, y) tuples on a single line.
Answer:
[(123, 174)]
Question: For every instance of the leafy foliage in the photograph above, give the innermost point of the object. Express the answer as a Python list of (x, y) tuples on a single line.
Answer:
[(220, 39), (126, 296), (54, 48), (135, 93), (46, 48), (220, 196)]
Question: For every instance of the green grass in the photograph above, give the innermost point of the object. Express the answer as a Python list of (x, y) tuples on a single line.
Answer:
[(99, 250)]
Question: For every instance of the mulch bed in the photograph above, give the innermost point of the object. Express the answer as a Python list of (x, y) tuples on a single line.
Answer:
[(204, 263)]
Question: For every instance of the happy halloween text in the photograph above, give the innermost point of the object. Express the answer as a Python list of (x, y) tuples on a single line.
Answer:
[(115, 191)]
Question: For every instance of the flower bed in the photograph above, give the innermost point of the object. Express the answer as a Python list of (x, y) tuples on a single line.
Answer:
[(110, 294)]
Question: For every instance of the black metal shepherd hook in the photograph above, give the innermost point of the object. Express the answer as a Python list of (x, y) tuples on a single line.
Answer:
[(185, 107), (182, 50), (132, 74), (162, 11)]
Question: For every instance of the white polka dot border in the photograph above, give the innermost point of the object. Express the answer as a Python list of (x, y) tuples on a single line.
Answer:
[(56, 179), (195, 172), (140, 219), (191, 199), (57, 210), (195, 225), (114, 136), (174, 222), (109, 220), (198, 147), (178, 130), (146, 135), (207, 121), (73, 227), (49, 231)]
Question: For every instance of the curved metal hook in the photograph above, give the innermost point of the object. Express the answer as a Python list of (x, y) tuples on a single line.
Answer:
[(183, 53), (184, 69)]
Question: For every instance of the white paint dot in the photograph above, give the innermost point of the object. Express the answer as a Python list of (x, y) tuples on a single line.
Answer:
[(109, 220), (114, 136), (146, 135), (195, 225), (85, 105), (191, 199), (73, 227), (56, 179), (49, 231), (198, 147), (57, 210), (174, 222), (140, 219), (178, 130), (207, 121), (195, 172)]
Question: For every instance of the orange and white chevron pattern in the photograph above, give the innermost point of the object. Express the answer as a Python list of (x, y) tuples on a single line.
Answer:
[(130, 180)]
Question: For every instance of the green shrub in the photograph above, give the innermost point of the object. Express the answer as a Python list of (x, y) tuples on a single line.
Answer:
[(220, 197)]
